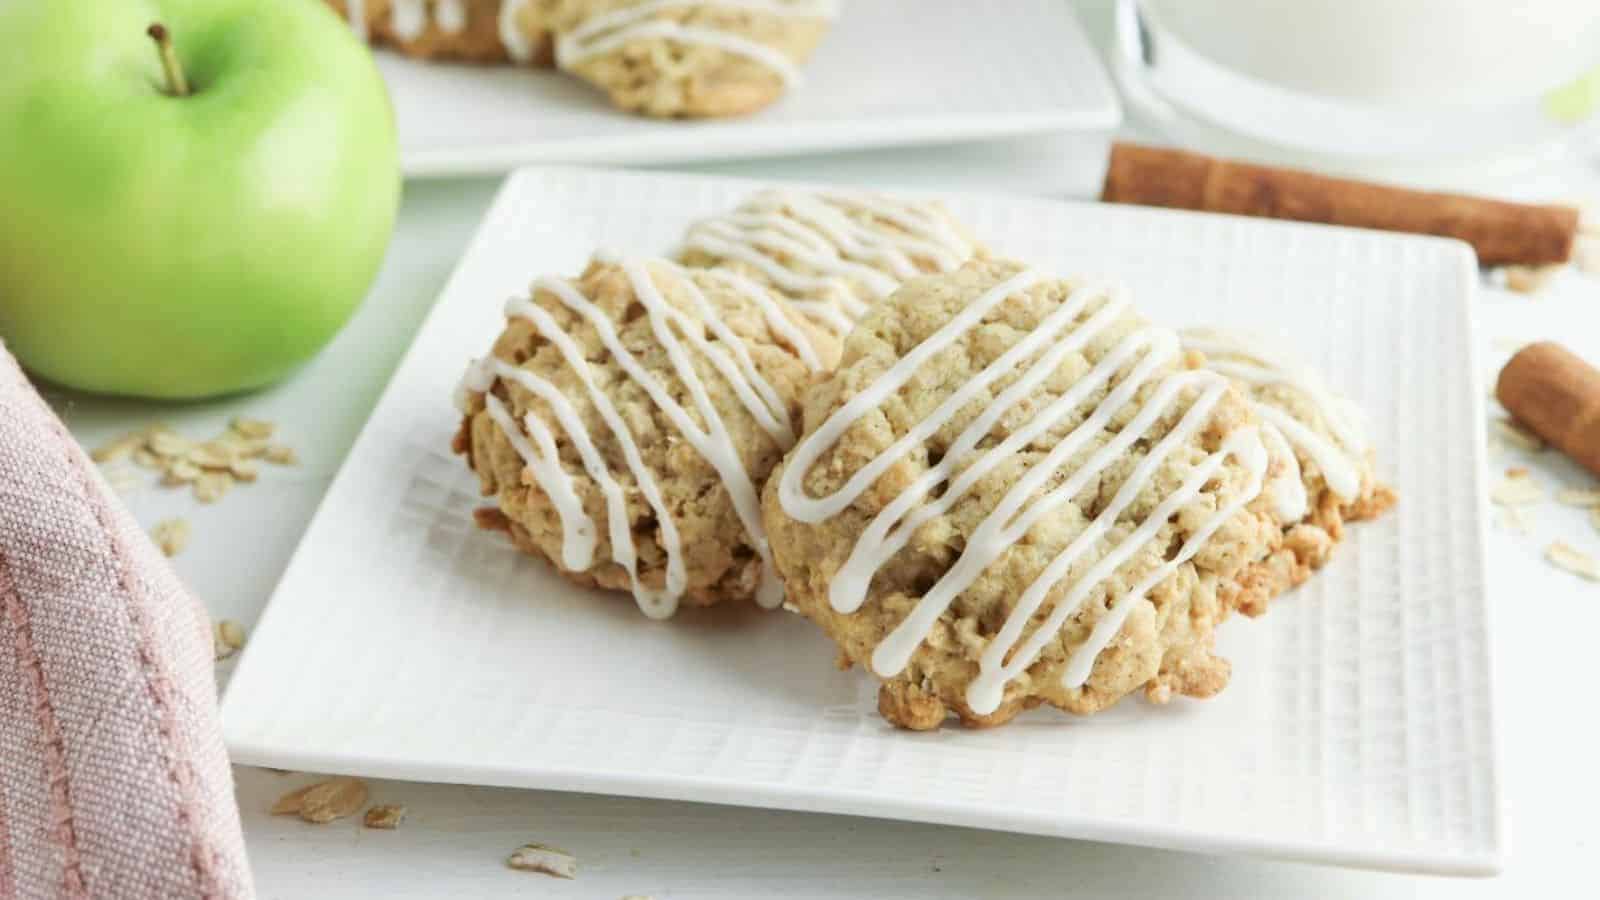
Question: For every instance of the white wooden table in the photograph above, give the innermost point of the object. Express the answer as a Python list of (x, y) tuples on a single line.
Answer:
[(455, 839)]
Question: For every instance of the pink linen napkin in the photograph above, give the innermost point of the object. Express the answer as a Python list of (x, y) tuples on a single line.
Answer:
[(113, 777)]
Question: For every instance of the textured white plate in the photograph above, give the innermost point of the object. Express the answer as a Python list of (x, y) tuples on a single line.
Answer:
[(891, 72), (403, 642)]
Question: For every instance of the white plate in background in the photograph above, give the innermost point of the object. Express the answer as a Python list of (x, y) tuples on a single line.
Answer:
[(405, 643), (889, 73)]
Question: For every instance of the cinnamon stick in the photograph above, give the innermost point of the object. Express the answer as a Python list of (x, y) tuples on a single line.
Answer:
[(1501, 232), (1557, 395)]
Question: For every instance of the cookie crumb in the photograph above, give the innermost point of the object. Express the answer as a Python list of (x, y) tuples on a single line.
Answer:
[(324, 801), (1518, 436), (1517, 472), (387, 816), (171, 535), (1565, 556), (544, 860)]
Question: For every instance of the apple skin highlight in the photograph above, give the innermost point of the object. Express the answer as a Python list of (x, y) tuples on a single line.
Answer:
[(186, 246)]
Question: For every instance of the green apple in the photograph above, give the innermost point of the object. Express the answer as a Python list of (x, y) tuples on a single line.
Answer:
[(174, 243)]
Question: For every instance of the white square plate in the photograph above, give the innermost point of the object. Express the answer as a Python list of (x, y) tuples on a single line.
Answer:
[(891, 72), (405, 643)]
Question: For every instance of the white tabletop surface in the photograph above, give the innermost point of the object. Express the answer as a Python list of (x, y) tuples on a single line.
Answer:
[(455, 839)]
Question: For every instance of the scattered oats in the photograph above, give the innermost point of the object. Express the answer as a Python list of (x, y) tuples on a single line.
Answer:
[(143, 457), (243, 447), (255, 429), (244, 469), (118, 448), (1516, 492), (324, 801), (1528, 279), (1594, 518), (1586, 254), (231, 634), (210, 487), (171, 535), (281, 455), (1517, 472), (211, 455), (1574, 497), (1573, 560), (168, 443), (386, 816), (180, 471), (1518, 436), (545, 860)]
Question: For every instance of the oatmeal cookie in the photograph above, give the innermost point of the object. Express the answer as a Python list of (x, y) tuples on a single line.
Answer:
[(625, 421), (1011, 492), (832, 253), (483, 31), (1327, 475), (675, 58)]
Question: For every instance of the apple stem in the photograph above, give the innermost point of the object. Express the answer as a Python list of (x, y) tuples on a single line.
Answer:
[(177, 83)]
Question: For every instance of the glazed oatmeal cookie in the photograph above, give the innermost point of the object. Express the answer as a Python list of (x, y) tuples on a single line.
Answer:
[(1012, 492), (672, 58), (625, 421), (1327, 465)]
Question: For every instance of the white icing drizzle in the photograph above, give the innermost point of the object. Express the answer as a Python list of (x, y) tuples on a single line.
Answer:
[(451, 15), (519, 46), (1288, 488), (1146, 350), (821, 246), (410, 18), (673, 329), (356, 12), (1249, 360)]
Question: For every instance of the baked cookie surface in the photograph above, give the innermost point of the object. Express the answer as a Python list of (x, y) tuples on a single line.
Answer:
[(1011, 492), (625, 421), (832, 253), (1324, 460)]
